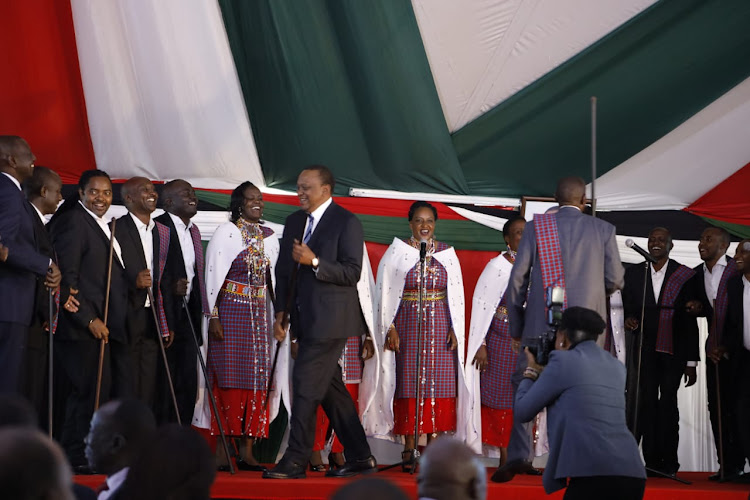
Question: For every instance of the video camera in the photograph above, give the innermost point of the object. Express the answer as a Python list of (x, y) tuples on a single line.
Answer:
[(555, 298)]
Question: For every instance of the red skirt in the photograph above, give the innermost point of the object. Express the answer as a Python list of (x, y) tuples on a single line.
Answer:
[(440, 417), (242, 412), (496, 426), (321, 426)]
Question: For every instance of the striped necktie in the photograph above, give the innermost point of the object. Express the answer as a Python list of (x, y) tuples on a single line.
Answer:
[(308, 232)]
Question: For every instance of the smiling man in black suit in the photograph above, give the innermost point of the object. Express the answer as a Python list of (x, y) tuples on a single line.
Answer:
[(323, 244)]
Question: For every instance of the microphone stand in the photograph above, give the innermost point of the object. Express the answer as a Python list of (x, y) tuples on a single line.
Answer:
[(209, 390), (414, 452), (50, 361), (639, 362)]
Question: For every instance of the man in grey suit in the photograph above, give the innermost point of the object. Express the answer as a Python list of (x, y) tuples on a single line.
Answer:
[(591, 270)]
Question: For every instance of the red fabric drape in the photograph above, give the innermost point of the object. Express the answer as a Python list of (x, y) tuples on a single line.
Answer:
[(41, 96), (728, 202)]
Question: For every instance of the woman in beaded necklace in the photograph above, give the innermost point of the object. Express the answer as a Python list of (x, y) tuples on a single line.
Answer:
[(442, 389), (239, 262), (492, 350)]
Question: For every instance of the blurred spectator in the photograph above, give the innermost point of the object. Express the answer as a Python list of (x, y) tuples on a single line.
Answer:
[(449, 470)]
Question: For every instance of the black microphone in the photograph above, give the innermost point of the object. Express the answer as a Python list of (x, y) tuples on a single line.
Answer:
[(422, 250), (631, 244)]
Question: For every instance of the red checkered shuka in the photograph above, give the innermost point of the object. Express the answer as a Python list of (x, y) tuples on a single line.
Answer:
[(351, 366), (438, 363), (496, 390), (200, 267), (242, 360), (669, 293), (720, 307), (550, 254), (163, 232)]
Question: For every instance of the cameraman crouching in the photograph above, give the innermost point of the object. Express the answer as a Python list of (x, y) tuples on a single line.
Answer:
[(583, 389)]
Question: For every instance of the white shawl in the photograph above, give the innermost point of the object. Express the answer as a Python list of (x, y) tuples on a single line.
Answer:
[(487, 294), (223, 248), (399, 258)]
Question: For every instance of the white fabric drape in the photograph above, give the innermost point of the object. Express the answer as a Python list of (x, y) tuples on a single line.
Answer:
[(162, 94), (483, 51)]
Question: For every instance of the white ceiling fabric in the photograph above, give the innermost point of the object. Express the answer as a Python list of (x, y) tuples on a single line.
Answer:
[(483, 51), (686, 163), (162, 94)]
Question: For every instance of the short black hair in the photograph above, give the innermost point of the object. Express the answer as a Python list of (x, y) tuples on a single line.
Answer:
[(237, 199), (326, 176), (421, 204), (74, 197), (509, 223), (34, 184), (582, 324)]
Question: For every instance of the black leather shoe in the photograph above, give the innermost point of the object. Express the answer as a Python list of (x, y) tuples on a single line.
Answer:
[(83, 470), (734, 476), (316, 467), (242, 465), (332, 463), (349, 469), (728, 476), (508, 471), (286, 470)]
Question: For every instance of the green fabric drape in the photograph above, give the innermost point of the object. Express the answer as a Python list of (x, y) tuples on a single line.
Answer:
[(736, 229), (649, 76), (461, 234), (345, 83)]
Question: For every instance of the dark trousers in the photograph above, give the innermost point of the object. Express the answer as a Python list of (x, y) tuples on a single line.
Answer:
[(12, 347), (182, 359), (609, 487), (743, 400), (144, 348), (35, 372), (519, 446), (317, 381), (80, 360), (659, 419), (733, 460)]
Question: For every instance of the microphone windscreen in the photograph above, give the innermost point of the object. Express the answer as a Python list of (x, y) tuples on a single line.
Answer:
[(629, 243)]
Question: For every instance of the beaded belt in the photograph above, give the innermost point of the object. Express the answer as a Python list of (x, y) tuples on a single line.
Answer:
[(501, 312), (426, 295), (245, 290)]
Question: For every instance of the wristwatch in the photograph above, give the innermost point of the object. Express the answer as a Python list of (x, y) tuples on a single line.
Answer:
[(315, 262)]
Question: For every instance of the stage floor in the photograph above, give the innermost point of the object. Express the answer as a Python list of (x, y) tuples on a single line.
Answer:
[(250, 486)]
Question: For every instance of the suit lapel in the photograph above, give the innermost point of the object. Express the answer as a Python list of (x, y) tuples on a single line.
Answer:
[(325, 221), (131, 232)]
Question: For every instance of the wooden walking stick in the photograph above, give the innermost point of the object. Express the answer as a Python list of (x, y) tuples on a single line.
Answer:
[(102, 341)]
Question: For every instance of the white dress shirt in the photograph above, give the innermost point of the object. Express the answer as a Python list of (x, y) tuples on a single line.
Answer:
[(105, 228), (712, 278), (146, 233), (113, 483), (188, 251), (657, 280)]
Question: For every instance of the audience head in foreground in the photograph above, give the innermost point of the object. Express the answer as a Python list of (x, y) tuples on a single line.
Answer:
[(449, 470), (370, 488), (32, 466)]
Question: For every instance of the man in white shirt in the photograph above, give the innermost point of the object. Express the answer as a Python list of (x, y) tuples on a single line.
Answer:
[(119, 431), (184, 278), (736, 338), (23, 265), (711, 281), (669, 349), (139, 237)]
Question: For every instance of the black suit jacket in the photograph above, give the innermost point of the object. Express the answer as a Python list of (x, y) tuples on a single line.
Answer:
[(135, 262), (19, 273), (732, 337), (327, 303), (684, 325), (174, 271), (37, 336), (83, 254)]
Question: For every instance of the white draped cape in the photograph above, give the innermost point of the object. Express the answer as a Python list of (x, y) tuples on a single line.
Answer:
[(223, 248), (487, 294), (399, 258)]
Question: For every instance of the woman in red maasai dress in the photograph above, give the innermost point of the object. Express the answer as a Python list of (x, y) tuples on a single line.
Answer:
[(239, 350), (439, 364), (494, 351)]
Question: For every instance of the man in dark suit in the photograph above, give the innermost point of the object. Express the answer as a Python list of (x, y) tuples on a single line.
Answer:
[(670, 348), (323, 245), (592, 270), (23, 265), (144, 253), (43, 190), (711, 280), (736, 338), (183, 279), (81, 237)]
